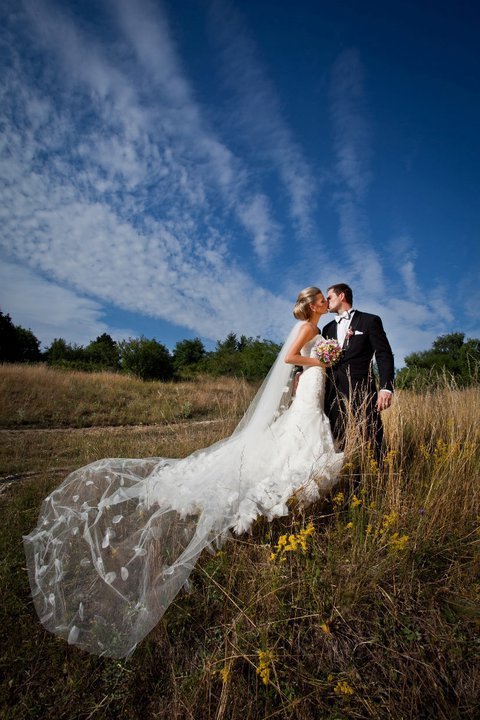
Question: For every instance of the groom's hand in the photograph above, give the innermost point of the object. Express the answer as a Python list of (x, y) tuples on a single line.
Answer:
[(384, 400)]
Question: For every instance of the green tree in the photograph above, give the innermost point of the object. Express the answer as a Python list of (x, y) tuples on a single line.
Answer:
[(103, 352), (16, 343), (188, 354), (28, 345), (226, 359), (248, 357), (257, 357), (229, 345), (450, 357), (7, 339), (449, 345), (147, 359), (62, 353), (242, 343)]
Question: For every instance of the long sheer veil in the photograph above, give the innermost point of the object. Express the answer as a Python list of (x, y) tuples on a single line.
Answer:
[(117, 540)]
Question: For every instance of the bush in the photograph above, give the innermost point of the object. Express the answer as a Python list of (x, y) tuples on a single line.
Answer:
[(147, 359), (62, 353), (258, 357), (247, 357)]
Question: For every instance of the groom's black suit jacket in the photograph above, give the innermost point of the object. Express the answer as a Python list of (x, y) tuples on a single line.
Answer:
[(352, 376), (368, 339)]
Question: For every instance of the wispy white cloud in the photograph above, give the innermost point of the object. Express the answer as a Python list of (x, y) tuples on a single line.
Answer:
[(155, 272), (402, 253), (50, 310), (114, 190), (352, 175), (148, 34), (119, 186), (413, 315), (407, 271), (257, 112), (256, 216), (349, 114)]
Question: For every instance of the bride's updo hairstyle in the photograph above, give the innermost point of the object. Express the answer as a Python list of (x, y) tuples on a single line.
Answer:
[(302, 307)]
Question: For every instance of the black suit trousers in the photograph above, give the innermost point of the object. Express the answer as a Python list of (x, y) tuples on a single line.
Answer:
[(353, 400)]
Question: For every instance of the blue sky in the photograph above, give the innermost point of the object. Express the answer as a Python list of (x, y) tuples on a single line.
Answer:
[(182, 169)]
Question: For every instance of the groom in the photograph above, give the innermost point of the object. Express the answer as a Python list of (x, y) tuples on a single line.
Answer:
[(350, 383)]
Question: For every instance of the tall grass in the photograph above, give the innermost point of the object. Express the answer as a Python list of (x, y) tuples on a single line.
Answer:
[(41, 396), (366, 605)]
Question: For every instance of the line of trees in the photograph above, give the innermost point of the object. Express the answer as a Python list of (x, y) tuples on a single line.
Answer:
[(451, 357), (145, 358)]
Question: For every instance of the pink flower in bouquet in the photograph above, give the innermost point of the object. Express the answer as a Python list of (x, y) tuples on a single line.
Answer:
[(328, 351)]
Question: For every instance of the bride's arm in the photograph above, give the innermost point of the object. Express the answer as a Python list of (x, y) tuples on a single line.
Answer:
[(293, 356)]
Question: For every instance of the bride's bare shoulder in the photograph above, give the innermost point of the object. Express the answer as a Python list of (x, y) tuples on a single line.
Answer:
[(306, 332), (311, 325)]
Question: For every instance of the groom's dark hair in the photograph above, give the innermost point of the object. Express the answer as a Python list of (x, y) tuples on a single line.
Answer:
[(343, 288)]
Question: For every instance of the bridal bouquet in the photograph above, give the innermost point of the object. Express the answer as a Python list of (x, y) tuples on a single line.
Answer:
[(328, 351)]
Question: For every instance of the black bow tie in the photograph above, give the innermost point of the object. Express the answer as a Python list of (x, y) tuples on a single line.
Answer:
[(344, 316)]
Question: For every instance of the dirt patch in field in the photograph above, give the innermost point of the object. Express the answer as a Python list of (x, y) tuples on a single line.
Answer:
[(31, 453), (15, 432)]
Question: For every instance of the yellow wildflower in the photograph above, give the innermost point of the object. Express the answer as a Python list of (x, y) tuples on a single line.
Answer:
[(425, 451), (338, 499), (343, 688), (325, 628), (293, 542), (224, 673), (399, 542), (355, 502), (266, 658), (369, 529), (441, 446), (388, 521), (349, 525), (389, 457), (441, 451)]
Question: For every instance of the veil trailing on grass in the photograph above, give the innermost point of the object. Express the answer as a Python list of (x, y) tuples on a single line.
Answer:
[(117, 540)]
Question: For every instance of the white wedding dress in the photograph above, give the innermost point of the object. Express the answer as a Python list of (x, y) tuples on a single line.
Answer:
[(118, 538)]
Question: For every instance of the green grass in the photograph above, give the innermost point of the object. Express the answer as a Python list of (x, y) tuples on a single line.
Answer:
[(378, 618)]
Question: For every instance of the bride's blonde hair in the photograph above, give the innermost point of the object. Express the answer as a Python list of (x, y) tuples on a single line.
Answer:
[(302, 307)]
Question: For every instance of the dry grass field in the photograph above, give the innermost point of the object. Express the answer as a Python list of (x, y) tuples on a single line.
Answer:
[(367, 605), (43, 397)]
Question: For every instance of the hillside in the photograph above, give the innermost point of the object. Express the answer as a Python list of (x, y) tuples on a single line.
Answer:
[(367, 605)]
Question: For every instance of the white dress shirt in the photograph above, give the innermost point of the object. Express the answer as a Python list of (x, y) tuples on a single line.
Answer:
[(343, 321)]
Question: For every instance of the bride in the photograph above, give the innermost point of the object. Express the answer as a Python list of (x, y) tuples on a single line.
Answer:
[(118, 538)]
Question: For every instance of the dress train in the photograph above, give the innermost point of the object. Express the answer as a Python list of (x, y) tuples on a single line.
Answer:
[(117, 540)]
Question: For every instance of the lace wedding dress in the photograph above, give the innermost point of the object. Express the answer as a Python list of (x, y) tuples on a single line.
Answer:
[(118, 538)]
